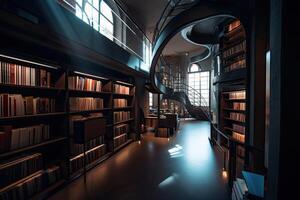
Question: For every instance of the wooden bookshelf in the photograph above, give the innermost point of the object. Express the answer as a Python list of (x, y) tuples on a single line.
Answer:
[(57, 87)]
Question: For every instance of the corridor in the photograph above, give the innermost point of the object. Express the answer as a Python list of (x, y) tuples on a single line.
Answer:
[(183, 167)]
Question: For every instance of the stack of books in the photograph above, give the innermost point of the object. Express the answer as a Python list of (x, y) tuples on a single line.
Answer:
[(17, 105), (85, 104), (120, 103), (15, 74), (121, 116), (84, 84), (120, 89), (15, 138), (77, 162), (121, 129)]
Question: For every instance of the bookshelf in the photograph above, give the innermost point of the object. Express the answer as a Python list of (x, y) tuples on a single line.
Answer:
[(123, 113), (233, 109), (41, 129), (32, 120)]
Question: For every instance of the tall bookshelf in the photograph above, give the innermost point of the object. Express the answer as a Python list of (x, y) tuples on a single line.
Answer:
[(232, 119), (38, 104), (123, 113), (32, 128)]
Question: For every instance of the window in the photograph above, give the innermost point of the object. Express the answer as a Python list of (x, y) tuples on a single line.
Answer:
[(194, 68), (100, 19), (150, 99), (199, 84)]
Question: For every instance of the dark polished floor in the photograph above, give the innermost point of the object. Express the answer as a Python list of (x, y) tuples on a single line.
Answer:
[(185, 167)]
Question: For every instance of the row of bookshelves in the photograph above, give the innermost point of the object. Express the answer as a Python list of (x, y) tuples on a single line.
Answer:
[(31, 99), (121, 116), (228, 53)]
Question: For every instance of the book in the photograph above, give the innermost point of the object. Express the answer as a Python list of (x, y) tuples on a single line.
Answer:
[(18, 105), (120, 89), (237, 116), (84, 84), (119, 140), (237, 95), (85, 103), (121, 116), (121, 129), (15, 74), (234, 50), (120, 103)]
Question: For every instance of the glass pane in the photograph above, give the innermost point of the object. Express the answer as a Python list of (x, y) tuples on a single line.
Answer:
[(106, 11), (106, 28)]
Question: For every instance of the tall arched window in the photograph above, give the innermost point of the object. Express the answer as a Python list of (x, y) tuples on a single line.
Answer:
[(97, 14), (199, 81)]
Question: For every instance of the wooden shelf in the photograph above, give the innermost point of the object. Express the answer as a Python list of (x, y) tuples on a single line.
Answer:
[(91, 165), (123, 145), (26, 87), (85, 92), (230, 129), (230, 109), (235, 100), (123, 83), (123, 108), (88, 111), (120, 135), (55, 114), (121, 122), (52, 141), (233, 43), (234, 31), (122, 95), (233, 120)]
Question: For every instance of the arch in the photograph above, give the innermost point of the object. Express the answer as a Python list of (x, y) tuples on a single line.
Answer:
[(194, 68)]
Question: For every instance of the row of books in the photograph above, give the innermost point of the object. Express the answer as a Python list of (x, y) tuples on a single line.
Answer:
[(119, 103), (239, 128), (164, 132), (120, 89), (92, 155), (239, 106), (16, 169), (239, 137), (237, 116), (21, 75), (236, 65), (235, 49), (237, 95), (85, 103), (84, 84), (15, 138), (239, 190), (233, 25), (76, 149), (18, 105), (121, 116), (121, 129), (121, 139), (27, 188)]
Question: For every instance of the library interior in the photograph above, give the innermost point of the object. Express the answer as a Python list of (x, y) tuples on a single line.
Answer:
[(151, 99)]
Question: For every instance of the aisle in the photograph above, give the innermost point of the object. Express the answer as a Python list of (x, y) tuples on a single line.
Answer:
[(185, 167)]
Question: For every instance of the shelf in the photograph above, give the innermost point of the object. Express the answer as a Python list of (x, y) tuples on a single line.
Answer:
[(230, 129), (86, 152), (85, 92), (234, 55), (233, 31), (120, 135), (88, 111), (123, 145), (236, 141), (234, 120), (123, 83), (91, 165), (123, 108), (20, 181), (230, 63), (122, 95), (121, 122), (235, 100), (32, 147), (32, 116), (233, 110), (46, 192), (26, 87)]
